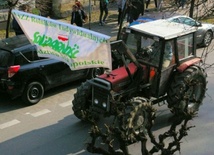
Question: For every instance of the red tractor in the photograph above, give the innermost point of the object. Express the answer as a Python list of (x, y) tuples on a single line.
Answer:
[(154, 62)]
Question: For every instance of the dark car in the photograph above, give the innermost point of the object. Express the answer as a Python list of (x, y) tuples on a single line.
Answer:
[(23, 73), (205, 32)]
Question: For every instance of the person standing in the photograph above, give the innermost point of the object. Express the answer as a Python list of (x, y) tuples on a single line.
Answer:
[(120, 5), (182, 3), (76, 16), (136, 8), (148, 2), (103, 9)]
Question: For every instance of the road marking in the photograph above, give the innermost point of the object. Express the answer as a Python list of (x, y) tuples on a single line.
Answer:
[(80, 152), (8, 124), (65, 104), (39, 113)]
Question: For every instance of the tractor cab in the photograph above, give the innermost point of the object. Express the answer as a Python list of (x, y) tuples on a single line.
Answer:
[(161, 47)]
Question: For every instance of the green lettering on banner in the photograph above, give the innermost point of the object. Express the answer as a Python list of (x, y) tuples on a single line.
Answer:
[(56, 45), (61, 27), (89, 36), (56, 54), (86, 63), (65, 28)]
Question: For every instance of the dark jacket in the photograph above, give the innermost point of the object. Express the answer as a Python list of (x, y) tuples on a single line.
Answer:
[(76, 18)]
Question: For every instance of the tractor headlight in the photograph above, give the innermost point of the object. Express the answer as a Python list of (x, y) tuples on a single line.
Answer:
[(96, 101), (104, 105)]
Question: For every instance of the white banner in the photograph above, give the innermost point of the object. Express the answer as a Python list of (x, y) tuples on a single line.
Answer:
[(78, 47)]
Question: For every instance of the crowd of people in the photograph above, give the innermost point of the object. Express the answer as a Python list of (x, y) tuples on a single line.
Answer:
[(133, 9), (79, 15)]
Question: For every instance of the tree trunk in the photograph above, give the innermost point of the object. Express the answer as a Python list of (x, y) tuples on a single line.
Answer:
[(8, 23), (191, 10), (11, 6)]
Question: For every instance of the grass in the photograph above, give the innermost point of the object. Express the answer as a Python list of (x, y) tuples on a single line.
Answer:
[(3, 34), (209, 20)]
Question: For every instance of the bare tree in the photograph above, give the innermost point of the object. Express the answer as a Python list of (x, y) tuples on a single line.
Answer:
[(196, 8), (44, 6)]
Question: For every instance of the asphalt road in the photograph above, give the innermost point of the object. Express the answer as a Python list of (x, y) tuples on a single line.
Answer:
[(51, 128)]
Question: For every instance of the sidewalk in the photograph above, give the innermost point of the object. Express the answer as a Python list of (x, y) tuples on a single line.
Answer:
[(111, 28)]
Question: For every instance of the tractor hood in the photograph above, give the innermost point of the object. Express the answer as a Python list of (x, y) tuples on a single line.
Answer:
[(119, 78)]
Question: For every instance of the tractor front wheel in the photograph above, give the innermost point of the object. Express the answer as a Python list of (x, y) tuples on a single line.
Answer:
[(138, 117), (82, 101), (187, 90)]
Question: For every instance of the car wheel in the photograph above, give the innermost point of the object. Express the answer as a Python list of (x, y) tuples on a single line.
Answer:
[(207, 38), (33, 93)]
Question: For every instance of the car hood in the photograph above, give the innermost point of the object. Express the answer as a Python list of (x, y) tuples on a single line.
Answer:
[(207, 26)]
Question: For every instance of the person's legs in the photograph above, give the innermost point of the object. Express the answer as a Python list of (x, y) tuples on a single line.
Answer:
[(156, 4), (159, 4), (119, 15), (101, 16), (130, 18), (147, 4), (183, 3), (106, 14)]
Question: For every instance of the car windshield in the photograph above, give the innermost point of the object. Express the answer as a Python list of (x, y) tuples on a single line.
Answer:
[(4, 58), (185, 20)]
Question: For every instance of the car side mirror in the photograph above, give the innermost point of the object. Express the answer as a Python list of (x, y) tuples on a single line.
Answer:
[(198, 24)]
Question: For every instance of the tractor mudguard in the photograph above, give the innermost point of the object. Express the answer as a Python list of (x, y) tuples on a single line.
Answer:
[(188, 63)]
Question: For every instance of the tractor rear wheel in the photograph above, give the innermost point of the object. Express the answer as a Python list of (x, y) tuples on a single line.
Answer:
[(138, 116), (82, 101), (187, 90)]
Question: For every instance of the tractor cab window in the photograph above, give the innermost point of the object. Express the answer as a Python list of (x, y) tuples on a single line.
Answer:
[(168, 57), (185, 48), (148, 49), (131, 41)]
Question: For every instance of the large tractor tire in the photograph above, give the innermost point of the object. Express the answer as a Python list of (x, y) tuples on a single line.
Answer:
[(82, 101), (187, 90), (138, 116)]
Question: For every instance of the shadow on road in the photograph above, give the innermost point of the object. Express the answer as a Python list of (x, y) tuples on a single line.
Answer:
[(68, 136), (8, 104)]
